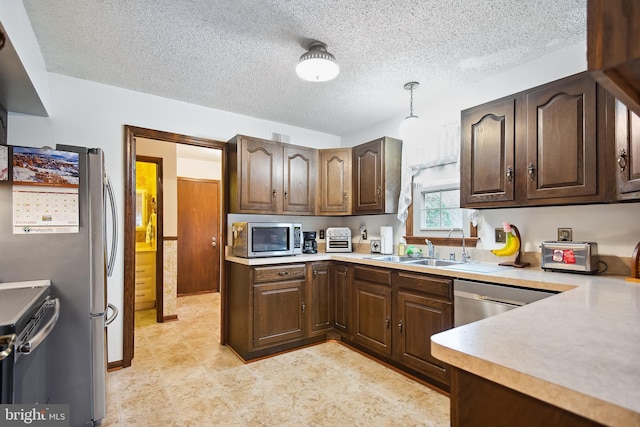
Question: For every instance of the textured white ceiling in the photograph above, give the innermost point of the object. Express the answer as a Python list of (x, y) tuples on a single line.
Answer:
[(240, 55)]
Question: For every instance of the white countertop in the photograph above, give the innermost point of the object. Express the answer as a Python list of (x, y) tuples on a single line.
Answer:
[(578, 350)]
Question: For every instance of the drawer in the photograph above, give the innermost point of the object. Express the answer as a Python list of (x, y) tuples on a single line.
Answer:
[(425, 284), (372, 275), (278, 273)]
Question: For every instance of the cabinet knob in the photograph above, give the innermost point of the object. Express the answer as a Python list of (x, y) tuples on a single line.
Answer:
[(400, 326), (379, 191), (315, 272), (509, 174), (214, 242), (345, 197), (387, 322), (286, 195), (273, 194), (303, 306), (532, 172), (622, 159)]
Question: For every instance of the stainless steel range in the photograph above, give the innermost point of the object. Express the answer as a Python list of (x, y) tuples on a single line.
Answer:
[(338, 239), (27, 316)]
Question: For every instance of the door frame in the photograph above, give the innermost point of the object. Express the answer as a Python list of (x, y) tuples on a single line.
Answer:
[(159, 236), (130, 135)]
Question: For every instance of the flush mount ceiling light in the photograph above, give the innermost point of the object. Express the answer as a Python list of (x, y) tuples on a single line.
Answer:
[(410, 126), (317, 65)]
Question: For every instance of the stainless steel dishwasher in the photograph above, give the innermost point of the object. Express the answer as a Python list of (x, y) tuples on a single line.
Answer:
[(475, 300)]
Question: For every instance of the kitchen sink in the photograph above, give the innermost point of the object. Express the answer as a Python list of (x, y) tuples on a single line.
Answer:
[(433, 262), (415, 261), (393, 258)]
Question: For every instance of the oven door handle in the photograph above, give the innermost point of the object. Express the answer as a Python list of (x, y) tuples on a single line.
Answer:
[(9, 341), (40, 336)]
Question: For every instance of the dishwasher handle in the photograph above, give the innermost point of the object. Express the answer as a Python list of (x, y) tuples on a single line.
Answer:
[(480, 297)]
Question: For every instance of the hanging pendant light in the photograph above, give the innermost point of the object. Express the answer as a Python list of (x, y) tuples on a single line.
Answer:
[(317, 65), (410, 126)]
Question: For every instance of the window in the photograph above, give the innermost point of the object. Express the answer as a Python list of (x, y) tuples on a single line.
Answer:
[(440, 209)]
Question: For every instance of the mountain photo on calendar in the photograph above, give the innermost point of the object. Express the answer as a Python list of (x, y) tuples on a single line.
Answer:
[(42, 166)]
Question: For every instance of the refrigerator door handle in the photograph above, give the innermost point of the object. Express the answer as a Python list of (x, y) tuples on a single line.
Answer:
[(114, 228), (111, 318)]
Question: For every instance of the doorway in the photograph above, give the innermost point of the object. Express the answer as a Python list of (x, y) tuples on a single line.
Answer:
[(149, 231), (131, 135)]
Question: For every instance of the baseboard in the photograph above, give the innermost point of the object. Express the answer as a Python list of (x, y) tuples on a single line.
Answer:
[(115, 366), (170, 318)]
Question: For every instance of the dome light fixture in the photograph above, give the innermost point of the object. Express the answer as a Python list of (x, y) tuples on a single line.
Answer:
[(317, 65), (410, 126)]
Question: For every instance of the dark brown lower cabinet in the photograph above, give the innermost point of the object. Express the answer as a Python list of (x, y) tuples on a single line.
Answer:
[(478, 402), (266, 308), (372, 305), (387, 313), (320, 296), (422, 307), (340, 275), (278, 310)]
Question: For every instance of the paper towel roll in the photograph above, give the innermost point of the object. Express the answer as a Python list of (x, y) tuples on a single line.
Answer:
[(386, 240)]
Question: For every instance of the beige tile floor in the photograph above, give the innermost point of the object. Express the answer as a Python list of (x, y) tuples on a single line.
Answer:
[(182, 376)]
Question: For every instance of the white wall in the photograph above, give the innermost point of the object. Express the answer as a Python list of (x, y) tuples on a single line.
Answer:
[(91, 114), (614, 226)]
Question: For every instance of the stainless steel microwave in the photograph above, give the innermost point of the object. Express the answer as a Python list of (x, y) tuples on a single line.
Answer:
[(266, 239)]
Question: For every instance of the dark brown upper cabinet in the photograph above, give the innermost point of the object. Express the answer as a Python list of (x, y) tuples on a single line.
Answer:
[(335, 182), (488, 154), (543, 146), (613, 48), (561, 156), (269, 177), (376, 176), (626, 162)]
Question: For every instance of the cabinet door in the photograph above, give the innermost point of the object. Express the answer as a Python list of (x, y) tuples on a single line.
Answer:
[(299, 179), (561, 159), (487, 168), (342, 300), (321, 298), (278, 310), (259, 178), (627, 130), (368, 180), (335, 181), (417, 317), (373, 316)]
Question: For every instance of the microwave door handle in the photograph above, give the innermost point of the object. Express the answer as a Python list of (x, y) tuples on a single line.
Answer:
[(114, 228), (43, 333)]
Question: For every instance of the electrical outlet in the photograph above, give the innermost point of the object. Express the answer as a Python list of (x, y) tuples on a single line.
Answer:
[(565, 234), (363, 232), (321, 234), (501, 236)]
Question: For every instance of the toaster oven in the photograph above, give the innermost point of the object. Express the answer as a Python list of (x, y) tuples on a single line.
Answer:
[(574, 257), (338, 239)]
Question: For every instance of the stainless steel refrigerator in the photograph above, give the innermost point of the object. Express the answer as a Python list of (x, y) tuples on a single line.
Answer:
[(77, 265)]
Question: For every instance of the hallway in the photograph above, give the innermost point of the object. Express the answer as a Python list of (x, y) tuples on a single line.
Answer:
[(181, 376)]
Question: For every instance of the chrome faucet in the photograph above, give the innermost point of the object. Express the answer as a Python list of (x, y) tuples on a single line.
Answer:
[(431, 248), (465, 256)]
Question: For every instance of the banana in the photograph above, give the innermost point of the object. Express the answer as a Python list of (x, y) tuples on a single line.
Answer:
[(510, 247)]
